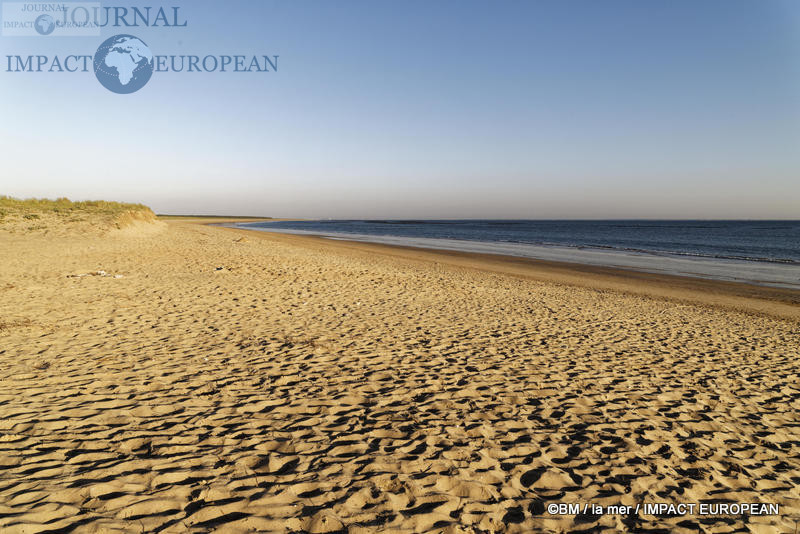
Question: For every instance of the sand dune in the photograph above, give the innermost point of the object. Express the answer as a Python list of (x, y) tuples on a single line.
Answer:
[(280, 384)]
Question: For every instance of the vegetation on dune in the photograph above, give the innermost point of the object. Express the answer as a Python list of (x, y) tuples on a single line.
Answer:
[(64, 206), (63, 215)]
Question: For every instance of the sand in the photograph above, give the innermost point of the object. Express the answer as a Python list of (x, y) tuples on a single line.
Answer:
[(230, 381)]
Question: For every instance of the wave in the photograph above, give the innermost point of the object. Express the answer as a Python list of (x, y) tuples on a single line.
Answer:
[(651, 251)]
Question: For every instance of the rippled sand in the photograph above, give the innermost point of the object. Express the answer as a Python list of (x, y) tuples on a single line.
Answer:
[(236, 382)]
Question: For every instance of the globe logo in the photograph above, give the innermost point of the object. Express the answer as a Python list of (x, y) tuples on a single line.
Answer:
[(123, 64), (44, 24)]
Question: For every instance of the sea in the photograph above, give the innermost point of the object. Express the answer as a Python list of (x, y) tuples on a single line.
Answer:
[(756, 252)]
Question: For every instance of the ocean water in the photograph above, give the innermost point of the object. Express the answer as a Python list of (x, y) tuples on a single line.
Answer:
[(762, 252)]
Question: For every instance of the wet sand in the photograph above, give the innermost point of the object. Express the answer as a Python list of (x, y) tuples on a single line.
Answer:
[(232, 381)]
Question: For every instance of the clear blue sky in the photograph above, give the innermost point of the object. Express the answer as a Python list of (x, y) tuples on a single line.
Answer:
[(430, 108)]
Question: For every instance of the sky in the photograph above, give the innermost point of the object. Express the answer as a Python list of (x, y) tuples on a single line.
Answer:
[(428, 109)]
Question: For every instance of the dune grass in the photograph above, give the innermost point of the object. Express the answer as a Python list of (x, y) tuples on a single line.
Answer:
[(31, 208), (62, 216)]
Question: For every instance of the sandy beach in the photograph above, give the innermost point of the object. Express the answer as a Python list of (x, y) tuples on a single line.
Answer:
[(177, 377)]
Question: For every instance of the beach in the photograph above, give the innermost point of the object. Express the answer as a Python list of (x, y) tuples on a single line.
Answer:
[(172, 376)]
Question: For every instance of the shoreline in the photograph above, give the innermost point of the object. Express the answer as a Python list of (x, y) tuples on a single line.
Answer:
[(784, 274), (741, 296)]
